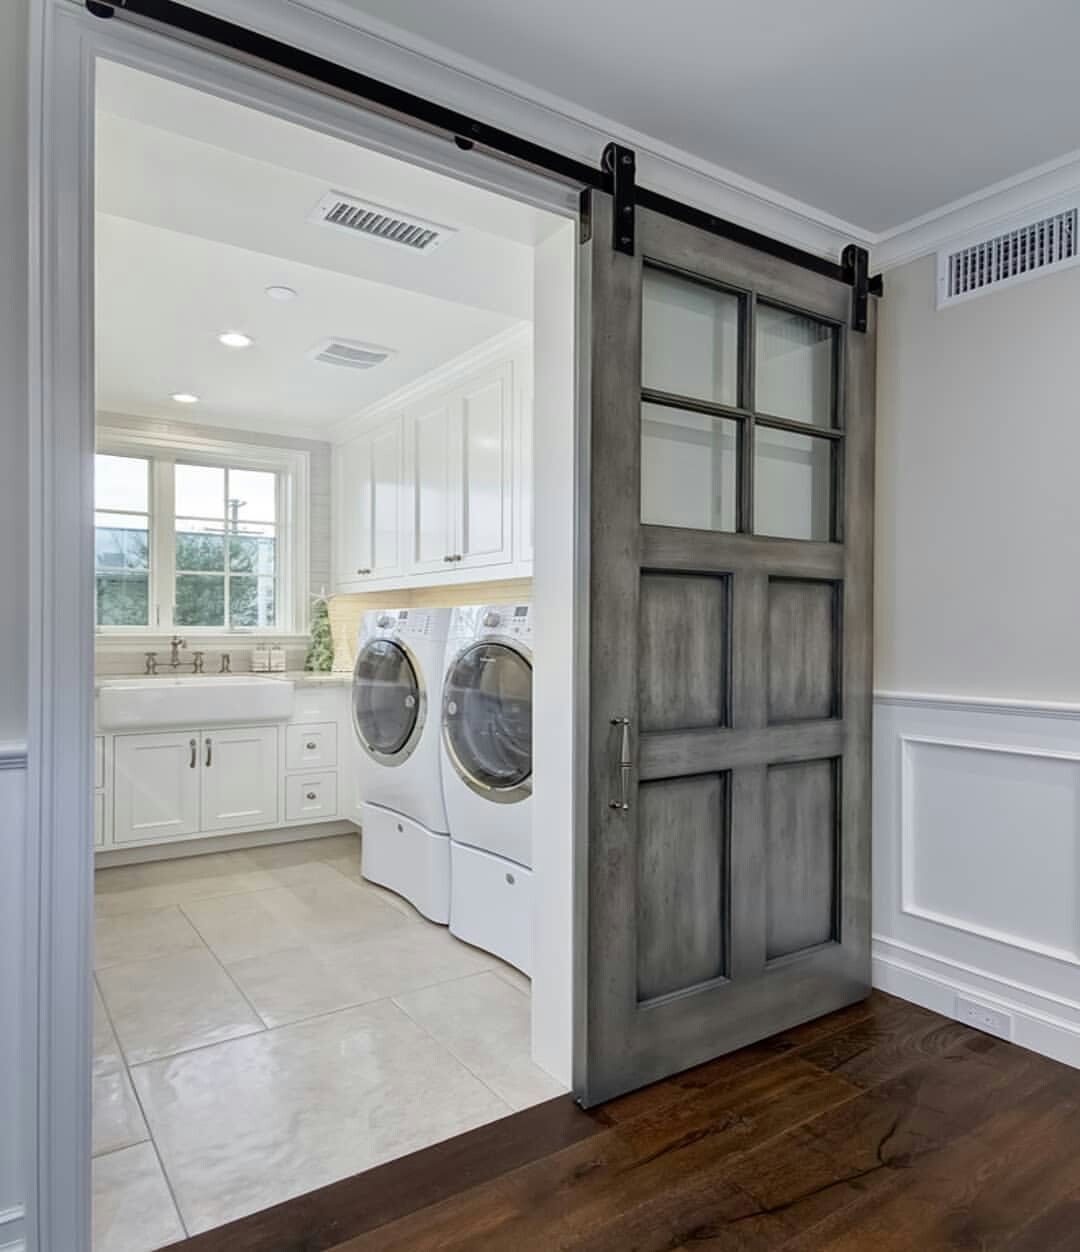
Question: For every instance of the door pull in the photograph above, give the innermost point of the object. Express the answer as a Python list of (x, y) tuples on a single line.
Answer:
[(194, 746), (625, 766), (209, 752)]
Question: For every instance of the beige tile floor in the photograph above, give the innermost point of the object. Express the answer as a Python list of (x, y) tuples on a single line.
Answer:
[(266, 1022)]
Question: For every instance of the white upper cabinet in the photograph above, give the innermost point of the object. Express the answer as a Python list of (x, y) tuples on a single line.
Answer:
[(428, 491), (482, 490), (367, 505), (443, 488)]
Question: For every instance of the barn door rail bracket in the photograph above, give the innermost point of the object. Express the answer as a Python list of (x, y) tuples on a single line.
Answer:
[(616, 174), (619, 166)]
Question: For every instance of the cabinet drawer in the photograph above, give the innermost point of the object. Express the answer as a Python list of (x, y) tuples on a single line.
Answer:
[(317, 704), (99, 761), (310, 797), (311, 747), (99, 820)]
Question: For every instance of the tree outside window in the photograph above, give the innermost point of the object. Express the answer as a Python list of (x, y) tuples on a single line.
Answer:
[(122, 540)]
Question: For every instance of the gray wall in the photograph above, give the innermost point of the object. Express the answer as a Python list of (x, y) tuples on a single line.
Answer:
[(978, 509), (13, 443)]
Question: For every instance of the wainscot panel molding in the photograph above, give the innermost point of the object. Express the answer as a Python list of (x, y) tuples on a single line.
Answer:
[(977, 860), (12, 1018)]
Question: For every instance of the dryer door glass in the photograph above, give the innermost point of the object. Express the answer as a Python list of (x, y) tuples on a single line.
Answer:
[(386, 697), (487, 707)]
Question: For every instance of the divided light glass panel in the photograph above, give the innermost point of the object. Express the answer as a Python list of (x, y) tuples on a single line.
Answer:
[(226, 547), (795, 364), (689, 468), (690, 350), (793, 484), (122, 540), (689, 339)]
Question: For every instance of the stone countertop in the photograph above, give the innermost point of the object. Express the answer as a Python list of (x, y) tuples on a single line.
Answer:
[(299, 677)]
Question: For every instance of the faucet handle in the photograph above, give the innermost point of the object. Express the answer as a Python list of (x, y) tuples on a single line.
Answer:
[(226, 664), (151, 662), (197, 662)]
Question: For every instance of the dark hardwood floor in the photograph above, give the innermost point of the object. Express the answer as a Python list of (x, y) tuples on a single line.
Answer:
[(882, 1128)]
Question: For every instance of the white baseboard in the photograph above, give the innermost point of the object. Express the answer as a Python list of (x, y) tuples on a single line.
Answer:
[(934, 983), (108, 857)]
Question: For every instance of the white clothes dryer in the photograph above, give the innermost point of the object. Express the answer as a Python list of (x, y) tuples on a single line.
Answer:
[(395, 716), (487, 777)]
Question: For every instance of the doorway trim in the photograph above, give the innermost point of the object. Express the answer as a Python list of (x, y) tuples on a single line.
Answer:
[(57, 1022)]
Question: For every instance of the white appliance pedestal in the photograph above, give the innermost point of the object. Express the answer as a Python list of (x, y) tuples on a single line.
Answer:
[(408, 859), (491, 904)]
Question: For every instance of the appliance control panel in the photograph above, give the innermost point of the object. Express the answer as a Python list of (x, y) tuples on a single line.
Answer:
[(411, 623), (507, 619)]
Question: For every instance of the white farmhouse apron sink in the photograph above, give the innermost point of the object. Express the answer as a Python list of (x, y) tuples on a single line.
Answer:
[(192, 700)]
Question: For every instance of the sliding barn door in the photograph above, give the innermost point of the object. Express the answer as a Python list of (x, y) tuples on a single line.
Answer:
[(726, 883)]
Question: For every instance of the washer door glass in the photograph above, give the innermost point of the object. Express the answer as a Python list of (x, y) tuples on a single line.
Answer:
[(386, 697), (487, 710)]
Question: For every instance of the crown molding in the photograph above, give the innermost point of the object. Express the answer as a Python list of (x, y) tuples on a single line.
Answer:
[(506, 343), (978, 212), (336, 29)]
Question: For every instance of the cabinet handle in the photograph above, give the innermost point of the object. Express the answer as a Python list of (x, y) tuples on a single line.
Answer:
[(363, 571), (626, 764), (311, 795), (311, 745), (209, 751), (194, 746), (448, 558)]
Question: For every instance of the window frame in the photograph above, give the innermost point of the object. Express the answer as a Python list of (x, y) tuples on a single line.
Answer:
[(165, 451)]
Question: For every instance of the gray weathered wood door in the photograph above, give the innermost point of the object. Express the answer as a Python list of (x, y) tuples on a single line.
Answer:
[(724, 892)]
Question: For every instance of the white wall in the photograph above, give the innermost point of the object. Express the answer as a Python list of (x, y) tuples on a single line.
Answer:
[(977, 720)]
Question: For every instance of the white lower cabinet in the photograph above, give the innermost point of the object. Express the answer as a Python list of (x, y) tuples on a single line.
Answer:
[(310, 797), (239, 778), (156, 785), (311, 747)]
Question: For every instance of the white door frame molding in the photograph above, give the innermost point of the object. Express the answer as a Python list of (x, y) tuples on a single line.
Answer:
[(67, 42)]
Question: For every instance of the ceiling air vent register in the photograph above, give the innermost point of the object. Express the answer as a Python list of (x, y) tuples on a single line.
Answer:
[(1023, 251), (349, 354), (376, 221)]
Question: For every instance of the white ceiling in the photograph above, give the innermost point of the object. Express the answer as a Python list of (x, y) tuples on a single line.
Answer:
[(202, 204), (873, 111)]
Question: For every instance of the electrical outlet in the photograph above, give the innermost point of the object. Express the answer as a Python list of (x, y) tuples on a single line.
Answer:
[(983, 1017)]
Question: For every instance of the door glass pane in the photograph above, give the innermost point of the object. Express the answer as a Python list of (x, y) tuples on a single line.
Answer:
[(688, 468), (487, 710), (386, 697), (792, 484), (795, 356), (689, 339)]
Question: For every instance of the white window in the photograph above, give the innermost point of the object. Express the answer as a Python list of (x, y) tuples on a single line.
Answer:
[(200, 538)]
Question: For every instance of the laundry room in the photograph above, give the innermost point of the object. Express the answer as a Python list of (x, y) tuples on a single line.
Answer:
[(328, 652)]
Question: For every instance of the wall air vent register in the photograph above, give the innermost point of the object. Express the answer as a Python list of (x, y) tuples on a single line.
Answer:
[(1015, 254), (360, 217)]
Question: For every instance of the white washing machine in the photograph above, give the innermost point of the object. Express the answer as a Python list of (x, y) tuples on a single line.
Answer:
[(487, 777), (395, 715)]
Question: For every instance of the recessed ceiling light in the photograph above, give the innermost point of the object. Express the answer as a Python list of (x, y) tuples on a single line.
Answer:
[(281, 293), (184, 397), (235, 339)]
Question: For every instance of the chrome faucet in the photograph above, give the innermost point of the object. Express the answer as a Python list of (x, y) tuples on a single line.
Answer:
[(151, 662), (176, 644)]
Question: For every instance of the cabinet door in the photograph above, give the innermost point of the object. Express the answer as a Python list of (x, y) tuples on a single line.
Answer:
[(353, 556), (239, 777), (156, 786), (483, 448), (430, 531), (385, 470)]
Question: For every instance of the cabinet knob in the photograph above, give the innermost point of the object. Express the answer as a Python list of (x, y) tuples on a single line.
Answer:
[(311, 795), (363, 571), (311, 745)]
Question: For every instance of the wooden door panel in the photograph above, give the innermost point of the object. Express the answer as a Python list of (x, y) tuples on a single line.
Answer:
[(800, 856), (684, 673), (804, 646), (725, 884), (681, 883)]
